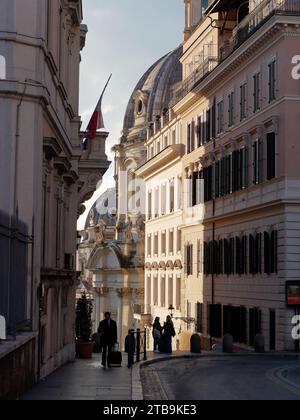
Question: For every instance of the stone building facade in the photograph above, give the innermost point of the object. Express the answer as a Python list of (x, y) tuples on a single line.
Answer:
[(238, 108), (45, 176), (237, 112)]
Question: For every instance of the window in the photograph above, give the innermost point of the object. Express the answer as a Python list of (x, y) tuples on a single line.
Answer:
[(191, 137), (170, 294), (172, 196), (239, 169), (163, 199), (149, 246), (199, 132), (199, 258), (257, 162), (163, 292), (271, 156), (220, 118), (156, 202), (2, 67), (171, 241), (163, 243), (270, 252), (272, 81), (195, 190), (178, 240), (256, 92), (178, 293), (207, 176), (149, 205), (188, 260), (166, 142), (208, 126), (156, 245), (243, 101), (255, 253), (231, 109), (155, 290)]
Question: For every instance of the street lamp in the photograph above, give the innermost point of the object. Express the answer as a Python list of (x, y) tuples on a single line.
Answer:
[(171, 309)]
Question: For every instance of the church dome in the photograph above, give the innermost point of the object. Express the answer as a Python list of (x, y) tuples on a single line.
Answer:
[(153, 92), (103, 209)]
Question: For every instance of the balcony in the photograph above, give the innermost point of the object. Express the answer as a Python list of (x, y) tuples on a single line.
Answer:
[(203, 70), (256, 19), (241, 33)]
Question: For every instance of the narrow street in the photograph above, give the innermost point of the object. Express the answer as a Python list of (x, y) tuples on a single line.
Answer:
[(223, 378), (84, 380)]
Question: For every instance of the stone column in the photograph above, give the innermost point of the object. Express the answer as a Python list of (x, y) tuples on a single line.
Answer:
[(125, 314)]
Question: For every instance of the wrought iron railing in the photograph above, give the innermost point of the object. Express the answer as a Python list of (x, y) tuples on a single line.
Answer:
[(206, 67), (258, 17), (247, 27)]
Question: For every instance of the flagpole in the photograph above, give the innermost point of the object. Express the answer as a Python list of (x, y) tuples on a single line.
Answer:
[(85, 138)]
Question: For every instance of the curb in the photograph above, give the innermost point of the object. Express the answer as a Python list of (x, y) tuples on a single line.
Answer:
[(278, 376), (136, 382)]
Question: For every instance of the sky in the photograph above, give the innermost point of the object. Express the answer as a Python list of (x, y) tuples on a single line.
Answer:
[(125, 38)]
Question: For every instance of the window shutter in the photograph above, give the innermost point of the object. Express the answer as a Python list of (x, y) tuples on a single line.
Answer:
[(214, 119), (274, 253), (192, 135), (238, 249), (251, 254), (205, 258), (271, 156), (255, 160), (260, 161), (232, 256), (267, 253), (258, 253)]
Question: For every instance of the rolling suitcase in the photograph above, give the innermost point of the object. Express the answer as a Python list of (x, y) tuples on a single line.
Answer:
[(115, 358)]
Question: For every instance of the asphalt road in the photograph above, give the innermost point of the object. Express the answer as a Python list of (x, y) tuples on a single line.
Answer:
[(223, 378)]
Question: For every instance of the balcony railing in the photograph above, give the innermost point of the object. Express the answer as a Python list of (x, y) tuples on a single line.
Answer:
[(257, 18), (207, 66)]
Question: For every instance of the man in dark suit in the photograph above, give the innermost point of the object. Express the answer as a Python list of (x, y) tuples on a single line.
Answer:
[(109, 335)]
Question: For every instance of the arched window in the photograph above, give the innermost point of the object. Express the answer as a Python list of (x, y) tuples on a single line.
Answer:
[(2, 67)]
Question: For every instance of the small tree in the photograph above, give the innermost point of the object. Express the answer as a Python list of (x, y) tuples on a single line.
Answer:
[(84, 312)]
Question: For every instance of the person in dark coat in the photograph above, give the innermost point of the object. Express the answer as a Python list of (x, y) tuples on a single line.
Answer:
[(157, 334), (109, 334), (168, 334)]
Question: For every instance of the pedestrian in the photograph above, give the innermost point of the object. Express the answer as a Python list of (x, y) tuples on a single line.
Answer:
[(157, 334), (168, 334), (108, 330)]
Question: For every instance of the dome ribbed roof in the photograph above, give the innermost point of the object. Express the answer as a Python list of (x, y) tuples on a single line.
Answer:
[(157, 82)]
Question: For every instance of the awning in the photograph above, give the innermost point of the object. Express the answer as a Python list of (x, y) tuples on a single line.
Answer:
[(223, 5)]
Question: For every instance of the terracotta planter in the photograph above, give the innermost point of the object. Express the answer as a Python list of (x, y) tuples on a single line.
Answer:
[(84, 350)]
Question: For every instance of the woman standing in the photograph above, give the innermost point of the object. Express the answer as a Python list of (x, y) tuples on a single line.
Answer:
[(168, 334), (157, 331)]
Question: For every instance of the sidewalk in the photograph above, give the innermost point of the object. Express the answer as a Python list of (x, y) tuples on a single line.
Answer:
[(84, 380)]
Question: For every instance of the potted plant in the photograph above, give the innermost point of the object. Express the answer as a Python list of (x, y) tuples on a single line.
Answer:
[(84, 344)]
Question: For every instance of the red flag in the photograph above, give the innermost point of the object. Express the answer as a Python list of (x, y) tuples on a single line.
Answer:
[(97, 122)]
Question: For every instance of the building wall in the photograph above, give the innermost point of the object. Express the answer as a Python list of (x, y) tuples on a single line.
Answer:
[(45, 175), (257, 207)]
